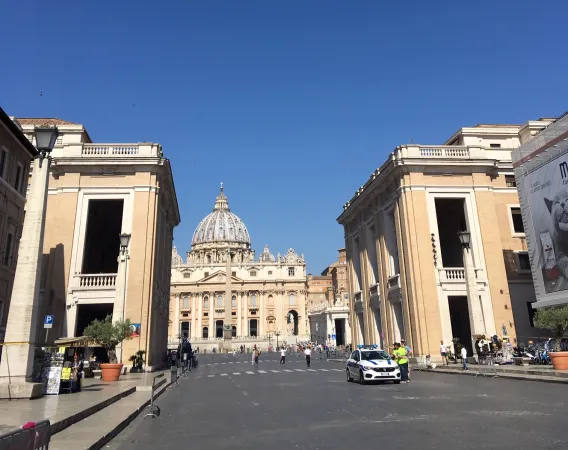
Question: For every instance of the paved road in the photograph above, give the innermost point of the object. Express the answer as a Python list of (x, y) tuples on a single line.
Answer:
[(227, 404)]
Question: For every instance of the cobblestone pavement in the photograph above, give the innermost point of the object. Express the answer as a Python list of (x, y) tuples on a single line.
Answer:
[(229, 404)]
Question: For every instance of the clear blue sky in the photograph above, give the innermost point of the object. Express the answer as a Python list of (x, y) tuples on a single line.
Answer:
[(292, 104)]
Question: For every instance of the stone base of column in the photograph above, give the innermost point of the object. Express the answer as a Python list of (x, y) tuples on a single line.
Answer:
[(21, 389)]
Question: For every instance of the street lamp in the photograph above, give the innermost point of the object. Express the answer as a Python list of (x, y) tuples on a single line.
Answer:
[(465, 239), (45, 141), (278, 333), (124, 241)]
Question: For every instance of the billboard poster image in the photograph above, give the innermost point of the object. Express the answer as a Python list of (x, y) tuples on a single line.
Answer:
[(546, 190), (135, 329)]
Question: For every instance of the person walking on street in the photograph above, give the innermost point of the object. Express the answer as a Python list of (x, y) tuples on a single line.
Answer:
[(402, 361), (308, 353), (444, 352), (464, 357), (282, 355)]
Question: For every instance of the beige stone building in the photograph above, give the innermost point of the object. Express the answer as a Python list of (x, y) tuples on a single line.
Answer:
[(96, 193), (409, 275), (328, 304), (16, 154), (268, 294)]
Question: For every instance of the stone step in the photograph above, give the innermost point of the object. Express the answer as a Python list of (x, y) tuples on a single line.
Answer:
[(96, 430)]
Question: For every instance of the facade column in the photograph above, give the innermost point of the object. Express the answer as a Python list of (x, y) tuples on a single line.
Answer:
[(17, 362), (262, 314), (71, 316), (176, 324), (476, 322), (239, 314), (199, 331), (212, 300)]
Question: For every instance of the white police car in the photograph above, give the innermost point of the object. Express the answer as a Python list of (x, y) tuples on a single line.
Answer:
[(370, 363)]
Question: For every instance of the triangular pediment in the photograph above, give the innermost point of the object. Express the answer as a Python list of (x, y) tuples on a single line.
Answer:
[(218, 277)]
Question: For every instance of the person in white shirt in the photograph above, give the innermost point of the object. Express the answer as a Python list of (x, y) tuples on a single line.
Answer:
[(308, 353), (444, 352), (282, 355), (464, 357)]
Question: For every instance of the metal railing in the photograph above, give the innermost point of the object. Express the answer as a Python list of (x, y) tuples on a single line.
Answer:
[(33, 438), (154, 410)]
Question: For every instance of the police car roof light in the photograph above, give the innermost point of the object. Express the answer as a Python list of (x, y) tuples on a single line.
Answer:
[(369, 346)]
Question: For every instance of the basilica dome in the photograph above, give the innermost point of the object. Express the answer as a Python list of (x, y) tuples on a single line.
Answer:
[(221, 226)]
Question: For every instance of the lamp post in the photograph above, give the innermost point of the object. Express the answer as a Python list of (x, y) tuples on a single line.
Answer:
[(18, 356), (277, 334), (476, 320), (118, 313)]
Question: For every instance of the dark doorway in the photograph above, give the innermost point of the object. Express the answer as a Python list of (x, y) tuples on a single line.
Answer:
[(293, 319), (450, 214), (253, 327), (85, 315), (234, 331), (339, 331), (219, 329), (459, 318), (185, 329), (102, 239)]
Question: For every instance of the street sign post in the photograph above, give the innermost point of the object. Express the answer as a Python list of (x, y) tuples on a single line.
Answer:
[(47, 324)]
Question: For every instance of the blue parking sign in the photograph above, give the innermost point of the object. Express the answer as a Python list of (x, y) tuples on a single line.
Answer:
[(333, 336), (48, 321)]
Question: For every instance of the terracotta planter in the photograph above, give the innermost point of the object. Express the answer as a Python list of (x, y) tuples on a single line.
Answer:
[(111, 372), (559, 360)]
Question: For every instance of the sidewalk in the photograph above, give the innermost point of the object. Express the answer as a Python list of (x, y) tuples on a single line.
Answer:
[(66, 409), (529, 372)]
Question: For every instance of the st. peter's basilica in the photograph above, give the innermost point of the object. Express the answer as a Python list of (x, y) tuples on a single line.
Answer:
[(268, 293)]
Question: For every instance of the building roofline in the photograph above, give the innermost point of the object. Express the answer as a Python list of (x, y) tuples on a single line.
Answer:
[(17, 132)]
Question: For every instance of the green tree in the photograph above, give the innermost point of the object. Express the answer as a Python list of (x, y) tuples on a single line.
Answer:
[(554, 319), (109, 335)]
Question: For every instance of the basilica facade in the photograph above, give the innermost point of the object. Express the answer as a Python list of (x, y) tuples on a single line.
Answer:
[(267, 294)]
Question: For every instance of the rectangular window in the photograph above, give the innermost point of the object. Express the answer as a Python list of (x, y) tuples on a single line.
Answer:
[(3, 162), (187, 275), (185, 315), (518, 226), (495, 145), (206, 314), (253, 273), (186, 303), (234, 274), (523, 262), (531, 313), (18, 181), (253, 300), (510, 181), (234, 313), (8, 249), (206, 274), (291, 271), (269, 272)]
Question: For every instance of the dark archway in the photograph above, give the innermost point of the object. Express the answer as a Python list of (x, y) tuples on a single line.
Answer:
[(292, 320)]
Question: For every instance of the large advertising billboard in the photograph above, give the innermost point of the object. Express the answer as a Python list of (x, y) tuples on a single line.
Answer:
[(546, 192)]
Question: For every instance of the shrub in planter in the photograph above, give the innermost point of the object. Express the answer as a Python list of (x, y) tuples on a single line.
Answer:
[(137, 361), (555, 319), (109, 335)]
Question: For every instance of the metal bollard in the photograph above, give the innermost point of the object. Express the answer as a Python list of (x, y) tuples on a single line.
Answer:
[(173, 374)]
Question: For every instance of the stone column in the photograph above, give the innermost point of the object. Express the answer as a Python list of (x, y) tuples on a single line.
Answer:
[(476, 321), (262, 314), (239, 314), (199, 331), (212, 301), (17, 362), (176, 325)]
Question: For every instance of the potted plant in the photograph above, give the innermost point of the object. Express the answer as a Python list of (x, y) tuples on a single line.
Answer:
[(457, 349), (137, 361), (555, 319), (109, 335)]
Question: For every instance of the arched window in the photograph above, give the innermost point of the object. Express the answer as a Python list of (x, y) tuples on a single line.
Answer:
[(185, 302), (205, 332), (270, 300), (292, 299), (219, 301), (234, 301), (209, 259), (234, 329), (205, 302), (253, 300)]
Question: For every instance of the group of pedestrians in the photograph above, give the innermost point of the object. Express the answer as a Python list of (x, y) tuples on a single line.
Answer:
[(401, 354)]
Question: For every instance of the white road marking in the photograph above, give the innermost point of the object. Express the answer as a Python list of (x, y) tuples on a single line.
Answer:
[(311, 370), (210, 376), (250, 373), (236, 373), (299, 370), (275, 371), (224, 374), (324, 370), (230, 362), (287, 370), (337, 370), (261, 371)]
